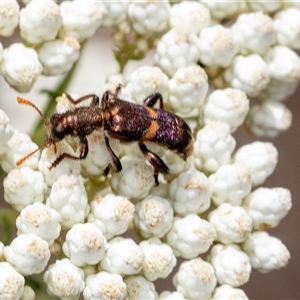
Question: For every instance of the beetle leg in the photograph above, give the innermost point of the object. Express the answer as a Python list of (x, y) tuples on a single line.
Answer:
[(84, 150), (152, 100), (106, 171), (115, 162), (105, 98), (156, 178), (61, 157), (116, 92), (94, 102), (158, 165), (118, 89)]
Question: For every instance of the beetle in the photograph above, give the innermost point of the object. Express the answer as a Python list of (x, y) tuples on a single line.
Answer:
[(128, 122)]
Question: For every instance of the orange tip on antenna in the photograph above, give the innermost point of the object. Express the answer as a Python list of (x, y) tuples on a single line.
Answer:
[(20, 161), (29, 103)]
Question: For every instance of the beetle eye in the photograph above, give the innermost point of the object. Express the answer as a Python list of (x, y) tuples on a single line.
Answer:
[(58, 133)]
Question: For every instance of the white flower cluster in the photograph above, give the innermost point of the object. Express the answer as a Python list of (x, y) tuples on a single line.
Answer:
[(52, 35), (255, 54), (210, 205)]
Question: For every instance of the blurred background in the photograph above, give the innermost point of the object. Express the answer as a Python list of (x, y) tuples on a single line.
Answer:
[(282, 284), (96, 63)]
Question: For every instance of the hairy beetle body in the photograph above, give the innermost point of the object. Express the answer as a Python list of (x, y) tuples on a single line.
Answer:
[(122, 120)]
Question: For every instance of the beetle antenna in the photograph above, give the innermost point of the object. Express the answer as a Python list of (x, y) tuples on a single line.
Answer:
[(27, 102), (46, 122), (21, 160)]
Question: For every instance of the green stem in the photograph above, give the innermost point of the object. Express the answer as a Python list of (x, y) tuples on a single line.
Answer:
[(94, 185), (7, 222), (38, 135)]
